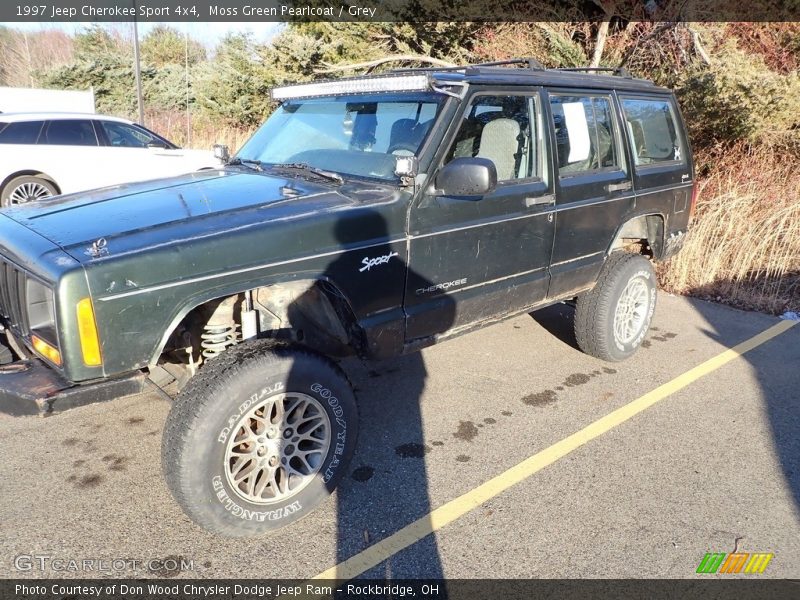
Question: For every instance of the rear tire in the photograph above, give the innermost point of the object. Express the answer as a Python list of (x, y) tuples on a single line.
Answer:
[(27, 188), (259, 438), (612, 319)]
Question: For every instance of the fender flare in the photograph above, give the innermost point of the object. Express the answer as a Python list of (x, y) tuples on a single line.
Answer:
[(209, 296)]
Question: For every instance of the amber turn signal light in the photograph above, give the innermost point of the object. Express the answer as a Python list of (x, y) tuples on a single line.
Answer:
[(46, 350), (87, 331)]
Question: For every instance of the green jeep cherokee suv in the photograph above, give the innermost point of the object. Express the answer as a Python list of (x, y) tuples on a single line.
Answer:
[(370, 216)]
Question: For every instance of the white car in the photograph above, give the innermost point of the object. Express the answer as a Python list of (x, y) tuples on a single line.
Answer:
[(45, 154)]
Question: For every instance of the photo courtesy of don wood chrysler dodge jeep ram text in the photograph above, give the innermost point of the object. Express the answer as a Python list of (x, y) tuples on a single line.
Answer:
[(370, 216)]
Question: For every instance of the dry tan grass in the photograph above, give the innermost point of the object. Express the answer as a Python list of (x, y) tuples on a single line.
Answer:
[(744, 246), (199, 133)]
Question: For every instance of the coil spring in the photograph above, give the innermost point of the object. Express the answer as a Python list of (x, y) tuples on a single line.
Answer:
[(216, 338)]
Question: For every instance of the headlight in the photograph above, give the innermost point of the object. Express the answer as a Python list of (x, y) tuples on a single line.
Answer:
[(41, 311), (42, 320)]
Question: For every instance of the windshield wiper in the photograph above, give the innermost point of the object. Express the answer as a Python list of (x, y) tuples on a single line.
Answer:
[(246, 162), (305, 167)]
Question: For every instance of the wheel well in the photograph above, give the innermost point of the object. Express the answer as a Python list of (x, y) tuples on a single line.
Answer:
[(643, 234), (313, 313), (29, 173)]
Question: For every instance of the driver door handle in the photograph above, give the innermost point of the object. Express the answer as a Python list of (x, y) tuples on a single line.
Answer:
[(545, 200), (619, 187)]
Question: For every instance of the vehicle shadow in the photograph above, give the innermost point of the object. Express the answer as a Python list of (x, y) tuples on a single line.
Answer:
[(559, 321), (775, 366), (386, 486)]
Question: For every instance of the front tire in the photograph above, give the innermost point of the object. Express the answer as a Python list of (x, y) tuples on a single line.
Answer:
[(259, 438), (612, 319), (27, 188)]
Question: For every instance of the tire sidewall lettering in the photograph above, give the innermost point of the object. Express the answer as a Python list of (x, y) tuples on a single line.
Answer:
[(260, 516), (341, 436)]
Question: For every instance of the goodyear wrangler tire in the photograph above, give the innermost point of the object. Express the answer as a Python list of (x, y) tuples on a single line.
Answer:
[(259, 438), (612, 319)]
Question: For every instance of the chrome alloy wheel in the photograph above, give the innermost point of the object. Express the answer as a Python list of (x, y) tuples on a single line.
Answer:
[(29, 191), (631, 311), (277, 448)]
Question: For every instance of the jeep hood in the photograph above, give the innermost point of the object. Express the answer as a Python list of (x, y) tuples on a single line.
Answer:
[(133, 217)]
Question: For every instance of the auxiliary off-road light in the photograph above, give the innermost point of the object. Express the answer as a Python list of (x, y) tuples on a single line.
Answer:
[(87, 331), (399, 83), (46, 350)]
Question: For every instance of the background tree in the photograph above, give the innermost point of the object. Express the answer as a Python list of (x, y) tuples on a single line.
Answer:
[(164, 45)]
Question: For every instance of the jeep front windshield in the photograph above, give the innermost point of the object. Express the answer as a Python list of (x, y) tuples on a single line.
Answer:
[(351, 135)]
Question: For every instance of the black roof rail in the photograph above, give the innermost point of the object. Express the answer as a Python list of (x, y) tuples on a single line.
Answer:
[(618, 71), (530, 63)]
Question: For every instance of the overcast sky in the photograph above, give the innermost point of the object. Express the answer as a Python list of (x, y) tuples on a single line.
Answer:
[(207, 33)]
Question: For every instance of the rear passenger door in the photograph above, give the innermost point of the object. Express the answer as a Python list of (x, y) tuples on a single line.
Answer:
[(594, 190), (70, 153), (661, 158)]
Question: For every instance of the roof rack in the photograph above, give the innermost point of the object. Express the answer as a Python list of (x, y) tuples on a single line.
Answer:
[(618, 71), (530, 63)]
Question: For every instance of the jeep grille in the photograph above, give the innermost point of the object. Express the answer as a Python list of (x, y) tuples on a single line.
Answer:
[(12, 298)]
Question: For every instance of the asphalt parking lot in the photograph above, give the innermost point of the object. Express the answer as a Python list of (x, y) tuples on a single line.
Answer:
[(711, 465)]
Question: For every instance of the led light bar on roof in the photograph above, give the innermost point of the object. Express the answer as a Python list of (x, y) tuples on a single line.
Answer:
[(400, 83)]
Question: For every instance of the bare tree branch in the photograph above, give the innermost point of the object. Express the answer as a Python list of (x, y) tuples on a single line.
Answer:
[(600, 41), (371, 64), (698, 46)]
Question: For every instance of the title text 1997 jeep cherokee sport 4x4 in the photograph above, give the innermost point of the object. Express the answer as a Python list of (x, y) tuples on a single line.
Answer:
[(369, 216)]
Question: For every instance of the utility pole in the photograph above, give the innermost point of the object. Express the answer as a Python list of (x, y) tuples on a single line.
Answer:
[(188, 110), (137, 68)]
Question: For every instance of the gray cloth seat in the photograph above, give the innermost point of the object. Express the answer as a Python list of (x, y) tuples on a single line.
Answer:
[(500, 144)]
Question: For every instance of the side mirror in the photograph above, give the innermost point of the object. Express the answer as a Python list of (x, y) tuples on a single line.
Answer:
[(222, 153), (466, 176)]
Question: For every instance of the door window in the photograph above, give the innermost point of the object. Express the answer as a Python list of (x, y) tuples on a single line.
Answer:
[(585, 134), (69, 132), (122, 135), (500, 129), (651, 130), (25, 132)]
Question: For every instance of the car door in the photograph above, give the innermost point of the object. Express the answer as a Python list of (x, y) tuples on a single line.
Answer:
[(69, 151), (137, 154), (18, 148), (593, 185), (476, 258)]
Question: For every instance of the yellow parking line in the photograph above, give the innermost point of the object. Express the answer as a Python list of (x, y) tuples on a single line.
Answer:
[(449, 512)]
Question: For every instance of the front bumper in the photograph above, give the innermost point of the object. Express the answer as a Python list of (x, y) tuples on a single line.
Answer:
[(31, 388)]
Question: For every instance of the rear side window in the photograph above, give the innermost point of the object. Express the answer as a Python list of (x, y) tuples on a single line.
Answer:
[(585, 135), (25, 132), (69, 132), (651, 130)]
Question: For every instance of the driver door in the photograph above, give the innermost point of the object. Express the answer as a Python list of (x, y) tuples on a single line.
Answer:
[(133, 154), (477, 258)]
